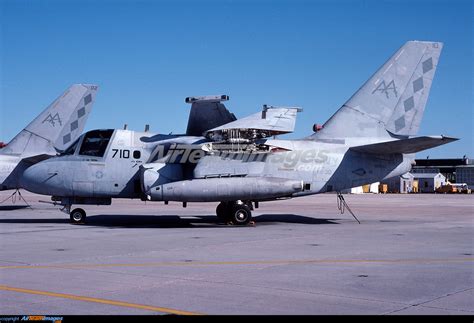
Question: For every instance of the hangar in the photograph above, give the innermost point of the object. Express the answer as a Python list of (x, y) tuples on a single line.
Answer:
[(456, 170)]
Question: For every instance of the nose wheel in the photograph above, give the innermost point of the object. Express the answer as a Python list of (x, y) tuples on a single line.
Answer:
[(77, 216)]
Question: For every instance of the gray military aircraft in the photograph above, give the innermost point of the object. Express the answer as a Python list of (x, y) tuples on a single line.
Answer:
[(240, 163), (61, 123)]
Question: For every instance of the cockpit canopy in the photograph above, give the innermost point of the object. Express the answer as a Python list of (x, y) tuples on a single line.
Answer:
[(71, 149), (92, 143)]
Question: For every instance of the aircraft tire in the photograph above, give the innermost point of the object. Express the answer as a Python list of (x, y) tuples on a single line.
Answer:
[(77, 216), (241, 214), (223, 211)]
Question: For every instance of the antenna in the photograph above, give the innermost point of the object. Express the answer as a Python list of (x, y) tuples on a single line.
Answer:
[(264, 111)]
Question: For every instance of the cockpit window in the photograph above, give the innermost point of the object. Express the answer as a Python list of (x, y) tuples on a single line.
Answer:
[(95, 143), (71, 149)]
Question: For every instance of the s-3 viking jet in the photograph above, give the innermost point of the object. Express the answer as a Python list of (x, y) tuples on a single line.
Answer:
[(240, 162), (60, 124)]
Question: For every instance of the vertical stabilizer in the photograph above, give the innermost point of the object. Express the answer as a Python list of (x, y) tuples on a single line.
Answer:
[(207, 112), (393, 100), (57, 126)]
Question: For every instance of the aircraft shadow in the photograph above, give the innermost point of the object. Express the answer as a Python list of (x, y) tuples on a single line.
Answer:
[(291, 218), (12, 207), (39, 221), (173, 221)]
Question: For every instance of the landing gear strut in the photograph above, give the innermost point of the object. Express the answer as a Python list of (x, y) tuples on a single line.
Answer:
[(76, 216), (237, 213)]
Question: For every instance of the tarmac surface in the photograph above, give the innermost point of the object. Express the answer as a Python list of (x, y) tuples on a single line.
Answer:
[(411, 254)]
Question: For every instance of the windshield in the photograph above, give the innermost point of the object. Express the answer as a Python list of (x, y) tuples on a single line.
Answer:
[(71, 149), (95, 143)]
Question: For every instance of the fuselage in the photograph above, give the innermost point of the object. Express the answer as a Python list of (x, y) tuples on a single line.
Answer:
[(128, 164)]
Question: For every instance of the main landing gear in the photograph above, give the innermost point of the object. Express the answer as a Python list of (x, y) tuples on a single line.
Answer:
[(237, 213)]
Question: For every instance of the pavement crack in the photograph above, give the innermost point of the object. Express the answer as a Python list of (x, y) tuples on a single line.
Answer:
[(422, 304)]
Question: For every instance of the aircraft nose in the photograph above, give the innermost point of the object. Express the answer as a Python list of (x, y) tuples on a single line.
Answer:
[(38, 179)]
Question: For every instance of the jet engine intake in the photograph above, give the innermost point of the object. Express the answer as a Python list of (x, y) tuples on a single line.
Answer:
[(154, 174)]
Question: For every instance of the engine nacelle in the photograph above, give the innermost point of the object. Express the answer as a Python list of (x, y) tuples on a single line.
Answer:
[(225, 189)]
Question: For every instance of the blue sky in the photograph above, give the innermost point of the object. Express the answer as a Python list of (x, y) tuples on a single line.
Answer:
[(147, 56)]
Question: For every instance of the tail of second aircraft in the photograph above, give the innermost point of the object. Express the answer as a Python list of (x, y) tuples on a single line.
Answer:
[(391, 103), (207, 112), (57, 126)]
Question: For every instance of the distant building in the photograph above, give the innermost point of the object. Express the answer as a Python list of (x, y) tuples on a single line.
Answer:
[(400, 184), (447, 166), (465, 174), (425, 177), (429, 182)]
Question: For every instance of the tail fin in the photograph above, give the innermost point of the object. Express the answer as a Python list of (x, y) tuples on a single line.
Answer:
[(393, 100), (207, 112), (57, 126)]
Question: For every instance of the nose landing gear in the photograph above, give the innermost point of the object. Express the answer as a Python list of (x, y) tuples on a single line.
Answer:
[(77, 216)]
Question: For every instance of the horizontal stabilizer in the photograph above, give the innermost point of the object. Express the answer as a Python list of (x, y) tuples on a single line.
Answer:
[(404, 146)]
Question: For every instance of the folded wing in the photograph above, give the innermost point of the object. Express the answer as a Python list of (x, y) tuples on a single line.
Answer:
[(270, 122)]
